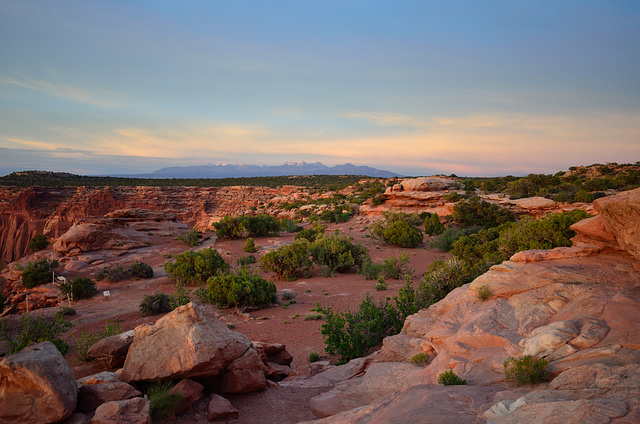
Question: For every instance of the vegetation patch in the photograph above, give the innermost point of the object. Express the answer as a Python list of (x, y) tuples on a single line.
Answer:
[(38, 242), (86, 340), (79, 288), (35, 329), (195, 268), (117, 272), (37, 273), (161, 403), (240, 289), (190, 238), (399, 229), (450, 378), (289, 262), (526, 370), (420, 358)]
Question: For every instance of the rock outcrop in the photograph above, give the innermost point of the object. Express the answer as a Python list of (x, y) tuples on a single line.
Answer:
[(189, 342), (25, 212), (577, 311), (36, 386)]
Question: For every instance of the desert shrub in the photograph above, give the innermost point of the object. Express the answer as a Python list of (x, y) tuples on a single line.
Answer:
[(288, 225), (314, 356), (117, 272), (401, 233), (483, 292), (250, 246), (313, 317), (154, 304), (420, 358), (449, 236), (337, 253), (450, 378), (229, 227), (139, 270), (86, 340), (79, 288), (190, 238), (526, 369), (310, 234), (38, 242), (289, 262), (351, 334), (240, 289), (445, 275), (161, 403), (36, 329), (369, 270), (396, 268), (179, 298), (37, 273), (337, 215), (246, 260), (67, 310), (475, 212), (195, 268), (261, 225), (381, 285), (432, 225), (453, 197), (288, 295), (583, 196)]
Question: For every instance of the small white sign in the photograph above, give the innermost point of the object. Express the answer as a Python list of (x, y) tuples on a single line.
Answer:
[(106, 293)]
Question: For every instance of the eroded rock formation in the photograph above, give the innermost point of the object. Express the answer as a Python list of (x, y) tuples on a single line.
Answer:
[(577, 307)]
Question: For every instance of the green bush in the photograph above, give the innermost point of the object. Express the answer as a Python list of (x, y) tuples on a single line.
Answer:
[(179, 298), (351, 334), (289, 262), (369, 270), (475, 212), (310, 234), (314, 356), (398, 229), (432, 225), (483, 292), (397, 268), (86, 340), (161, 403), (38, 242), (288, 225), (452, 197), (117, 272), (250, 246), (190, 238), (195, 268), (381, 285), (445, 275), (229, 227), (420, 358), (246, 260), (154, 304), (240, 289), (67, 310), (337, 253), (261, 225), (37, 273), (313, 317), (526, 370), (35, 329), (450, 378), (449, 236), (79, 288)]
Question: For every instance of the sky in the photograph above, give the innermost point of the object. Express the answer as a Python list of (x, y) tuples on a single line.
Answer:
[(475, 88)]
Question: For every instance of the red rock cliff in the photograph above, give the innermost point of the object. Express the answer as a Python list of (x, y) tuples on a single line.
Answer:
[(25, 212)]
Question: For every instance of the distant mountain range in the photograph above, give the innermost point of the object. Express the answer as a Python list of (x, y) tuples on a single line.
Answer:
[(224, 170)]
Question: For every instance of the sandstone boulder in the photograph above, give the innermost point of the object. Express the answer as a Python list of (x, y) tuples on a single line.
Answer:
[(221, 409), (191, 392), (101, 388), (622, 214), (131, 411), (245, 374), (428, 184), (189, 342), (37, 386), (112, 351)]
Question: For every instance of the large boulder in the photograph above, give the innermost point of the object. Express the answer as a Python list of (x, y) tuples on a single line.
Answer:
[(101, 388), (130, 411), (189, 342), (622, 215), (245, 374), (112, 351), (36, 386)]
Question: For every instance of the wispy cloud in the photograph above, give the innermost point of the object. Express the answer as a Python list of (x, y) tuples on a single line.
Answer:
[(93, 97), (389, 119)]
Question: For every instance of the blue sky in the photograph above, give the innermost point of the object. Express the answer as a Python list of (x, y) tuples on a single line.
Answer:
[(414, 87)]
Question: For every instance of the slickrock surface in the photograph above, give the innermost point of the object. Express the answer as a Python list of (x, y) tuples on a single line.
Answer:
[(578, 312)]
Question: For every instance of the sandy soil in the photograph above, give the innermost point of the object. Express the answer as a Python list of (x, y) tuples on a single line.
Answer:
[(276, 324)]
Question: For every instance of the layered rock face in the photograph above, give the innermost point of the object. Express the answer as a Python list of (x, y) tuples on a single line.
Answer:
[(25, 212), (576, 307)]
